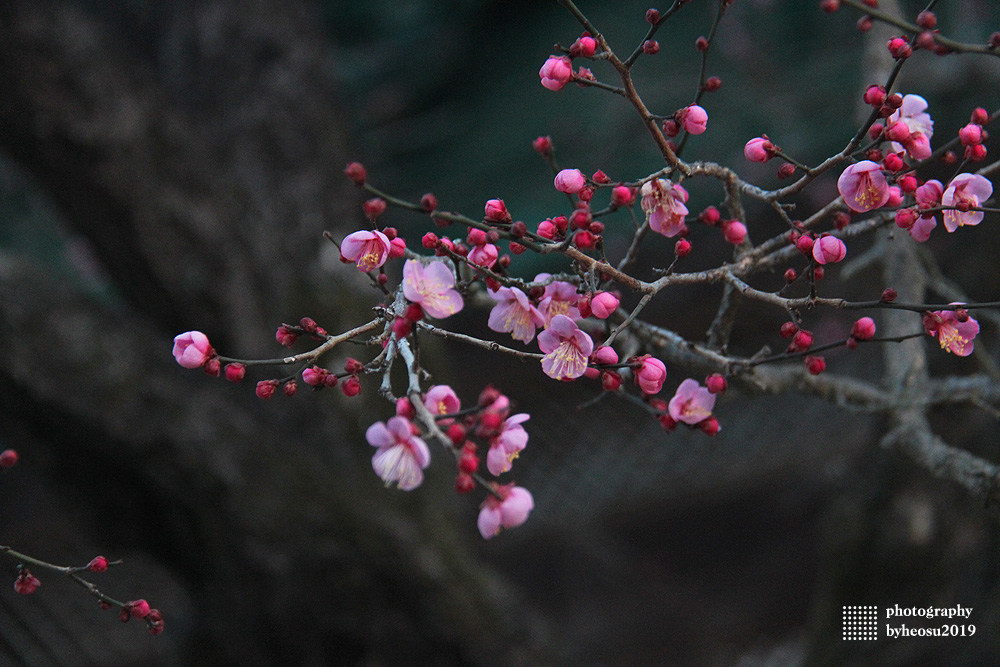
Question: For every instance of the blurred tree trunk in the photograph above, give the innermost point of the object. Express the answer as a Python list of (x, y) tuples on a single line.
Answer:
[(196, 147)]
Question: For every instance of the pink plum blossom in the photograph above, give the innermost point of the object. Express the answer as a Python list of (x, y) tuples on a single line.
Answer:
[(863, 186), (828, 249), (397, 247), (954, 335), (650, 374), (603, 305), (367, 249), (514, 314), (570, 181), (566, 349), (559, 298), (505, 447), (441, 400), (401, 456), (759, 149), (484, 255), (929, 194), (734, 232), (556, 72), (693, 119), (605, 355), (913, 114), (922, 228), (508, 511), (663, 204), (433, 287), (192, 349), (965, 190), (691, 403), (496, 211)]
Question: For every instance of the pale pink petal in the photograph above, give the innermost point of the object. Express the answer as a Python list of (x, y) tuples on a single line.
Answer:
[(378, 435), (922, 228), (516, 506), (489, 521)]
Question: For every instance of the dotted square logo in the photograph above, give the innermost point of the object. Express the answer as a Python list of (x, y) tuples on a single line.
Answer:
[(860, 623)]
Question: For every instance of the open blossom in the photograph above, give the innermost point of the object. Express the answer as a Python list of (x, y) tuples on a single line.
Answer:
[(505, 447), (650, 374), (566, 349), (556, 72), (442, 400), (433, 287), (691, 403), (965, 190), (192, 349), (914, 117), (922, 228), (663, 204), (514, 314), (828, 249), (368, 250), (570, 181), (508, 511), (954, 335), (559, 298), (863, 186), (401, 455)]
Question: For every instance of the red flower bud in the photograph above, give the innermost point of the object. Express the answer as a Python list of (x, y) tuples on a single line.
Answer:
[(8, 458), (356, 172), (98, 564)]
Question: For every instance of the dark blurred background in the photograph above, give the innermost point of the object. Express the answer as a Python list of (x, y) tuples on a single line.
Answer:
[(167, 166)]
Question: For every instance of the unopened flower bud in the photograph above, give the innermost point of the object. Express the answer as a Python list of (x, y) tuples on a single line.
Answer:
[(98, 564), (351, 386), (610, 380), (26, 583), (374, 207), (786, 170), (356, 172), (428, 202), (802, 339), (863, 329), (235, 371), (543, 146), (8, 458), (496, 211), (285, 336), (716, 383), (875, 96), (464, 483), (682, 248), (138, 608), (709, 426), (266, 388), (815, 364), (734, 231)]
